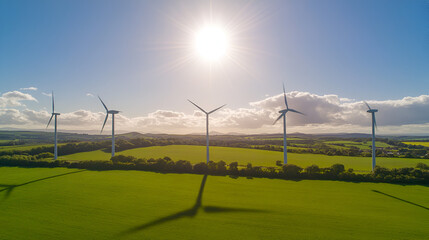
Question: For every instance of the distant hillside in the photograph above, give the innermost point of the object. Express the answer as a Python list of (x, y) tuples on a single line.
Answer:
[(28, 137)]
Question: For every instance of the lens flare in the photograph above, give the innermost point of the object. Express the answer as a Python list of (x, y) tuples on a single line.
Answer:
[(211, 43)]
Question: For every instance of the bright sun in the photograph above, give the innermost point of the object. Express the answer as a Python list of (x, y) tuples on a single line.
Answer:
[(211, 43)]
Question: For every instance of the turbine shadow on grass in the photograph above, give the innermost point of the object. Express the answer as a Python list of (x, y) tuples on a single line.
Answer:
[(400, 199), (8, 188), (191, 212)]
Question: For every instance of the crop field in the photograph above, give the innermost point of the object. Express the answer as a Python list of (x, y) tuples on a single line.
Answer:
[(275, 138), (360, 145), (74, 204), (26, 147), (426, 144), (196, 154)]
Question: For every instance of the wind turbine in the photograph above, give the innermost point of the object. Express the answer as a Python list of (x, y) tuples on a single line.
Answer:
[(113, 112), (374, 125), (55, 132), (283, 115), (207, 124)]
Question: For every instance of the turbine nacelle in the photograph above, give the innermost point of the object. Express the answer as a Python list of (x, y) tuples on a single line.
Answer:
[(372, 110), (287, 109), (113, 112), (53, 111)]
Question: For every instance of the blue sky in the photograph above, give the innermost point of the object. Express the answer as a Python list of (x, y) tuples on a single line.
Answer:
[(127, 51)]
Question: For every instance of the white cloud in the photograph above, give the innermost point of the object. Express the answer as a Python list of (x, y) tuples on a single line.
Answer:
[(29, 89), (90, 95), (323, 113), (12, 117), (47, 94), (14, 99)]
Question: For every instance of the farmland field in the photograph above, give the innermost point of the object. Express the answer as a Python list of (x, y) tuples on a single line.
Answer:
[(361, 145), (196, 154), (26, 147), (426, 144), (42, 203)]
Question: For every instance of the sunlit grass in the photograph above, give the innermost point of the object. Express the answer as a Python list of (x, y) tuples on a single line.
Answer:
[(426, 144), (196, 154), (107, 204)]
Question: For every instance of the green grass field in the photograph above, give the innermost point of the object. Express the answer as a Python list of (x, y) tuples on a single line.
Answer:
[(26, 147), (426, 144), (360, 145), (42, 203), (243, 156)]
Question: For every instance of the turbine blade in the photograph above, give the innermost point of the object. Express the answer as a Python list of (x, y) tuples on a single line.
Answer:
[(217, 109), (105, 120), (284, 94), (50, 119), (369, 108), (103, 104), (53, 102), (295, 111), (197, 106), (281, 115)]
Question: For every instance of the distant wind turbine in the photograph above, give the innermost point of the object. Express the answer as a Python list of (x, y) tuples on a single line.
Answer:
[(374, 125), (55, 132), (207, 124), (283, 115), (113, 112)]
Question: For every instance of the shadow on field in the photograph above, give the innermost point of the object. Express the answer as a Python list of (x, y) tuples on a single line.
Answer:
[(400, 199), (9, 188), (190, 212)]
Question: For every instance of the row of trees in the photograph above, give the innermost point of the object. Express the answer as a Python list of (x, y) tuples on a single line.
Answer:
[(313, 147), (418, 175)]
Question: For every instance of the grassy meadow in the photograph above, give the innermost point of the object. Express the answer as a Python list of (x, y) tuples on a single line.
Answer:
[(25, 147), (74, 204), (196, 154), (426, 144), (361, 145)]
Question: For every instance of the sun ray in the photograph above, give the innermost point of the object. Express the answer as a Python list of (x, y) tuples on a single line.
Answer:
[(216, 39)]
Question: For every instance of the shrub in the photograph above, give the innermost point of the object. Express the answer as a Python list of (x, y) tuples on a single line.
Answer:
[(183, 166), (380, 171), (122, 159), (291, 170), (221, 167), (422, 166), (44, 155), (312, 169), (337, 168), (200, 167), (233, 168)]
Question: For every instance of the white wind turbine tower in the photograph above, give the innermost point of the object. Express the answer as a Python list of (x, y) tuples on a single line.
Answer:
[(283, 114), (55, 132), (374, 125), (207, 124), (113, 112)]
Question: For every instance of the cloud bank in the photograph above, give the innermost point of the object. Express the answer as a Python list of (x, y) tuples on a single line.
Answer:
[(323, 114)]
